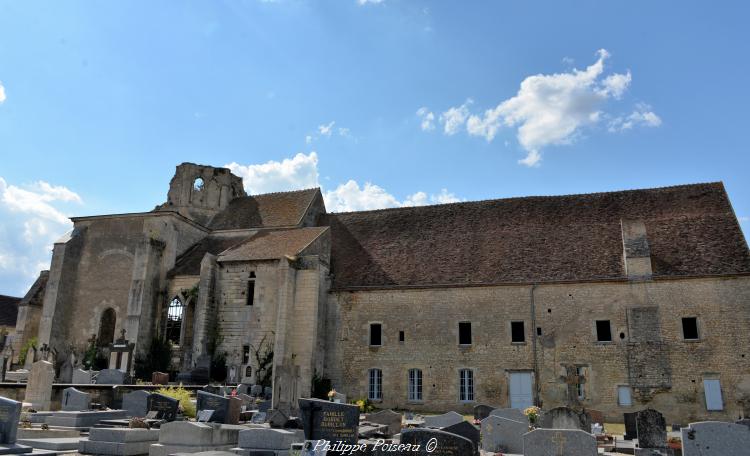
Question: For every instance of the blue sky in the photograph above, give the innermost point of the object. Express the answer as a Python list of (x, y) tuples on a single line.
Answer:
[(380, 103)]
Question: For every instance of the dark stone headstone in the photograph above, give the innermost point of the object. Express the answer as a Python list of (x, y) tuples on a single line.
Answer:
[(466, 430), (136, 403), (268, 392), (75, 401), (630, 431), (652, 429), (329, 420), (10, 414), (436, 443), (219, 404), (165, 406), (482, 411)]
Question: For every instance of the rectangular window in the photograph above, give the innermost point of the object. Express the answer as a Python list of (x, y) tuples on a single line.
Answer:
[(464, 333), (466, 385), (376, 334), (603, 331), (690, 328), (401, 336), (415, 384), (250, 289), (581, 384), (538, 331), (245, 354), (624, 396), (712, 389), (375, 390), (517, 333)]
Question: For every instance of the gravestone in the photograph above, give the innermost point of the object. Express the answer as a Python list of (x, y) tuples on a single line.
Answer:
[(259, 418), (652, 429), (74, 400), (118, 441), (510, 414), (503, 435), (191, 437), (467, 431), (159, 378), (329, 420), (436, 443), (165, 406), (264, 441), (204, 416), (10, 414), (387, 417), (136, 403), (81, 377), (277, 418), (444, 420), (630, 431), (243, 388), (39, 386), (714, 438), (268, 392), (566, 418), (219, 404), (235, 408), (110, 377), (256, 390), (559, 442), (744, 422), (482, 411), (264, 406)]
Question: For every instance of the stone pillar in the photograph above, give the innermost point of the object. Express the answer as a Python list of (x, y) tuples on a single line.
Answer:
[(284, 381), (144, 290), (204, 306)]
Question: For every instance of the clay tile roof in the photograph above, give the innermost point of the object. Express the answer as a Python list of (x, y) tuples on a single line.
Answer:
[(691, 230), (273, 244), (189, 263), (8, 310), (264, 211)]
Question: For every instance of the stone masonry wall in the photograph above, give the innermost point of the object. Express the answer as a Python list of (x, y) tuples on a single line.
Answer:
[(566, 315)]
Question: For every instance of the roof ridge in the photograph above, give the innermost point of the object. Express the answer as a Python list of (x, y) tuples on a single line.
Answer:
[(301, 190), (530, 197)]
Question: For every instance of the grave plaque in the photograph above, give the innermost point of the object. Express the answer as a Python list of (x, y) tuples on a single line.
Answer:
[(10, 413), (503, 435), (436, 443), (204, 416), (111, 377), (329, 420), (715, 438), (219, 404), (74, 400), (652, 429), (559, 442), (165, 406)]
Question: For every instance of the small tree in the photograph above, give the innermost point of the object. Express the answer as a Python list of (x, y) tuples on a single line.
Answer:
[(263, 355)]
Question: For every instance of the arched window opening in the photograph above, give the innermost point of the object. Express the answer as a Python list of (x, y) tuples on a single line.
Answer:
[(173, 324), (198, 184), (107, 327)]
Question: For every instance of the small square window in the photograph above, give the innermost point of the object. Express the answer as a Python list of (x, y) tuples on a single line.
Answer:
[(464, 333), (517, 332), (603, 331), (690, 328), (538, 330), (376, 334), (624, 396), (401, 336)]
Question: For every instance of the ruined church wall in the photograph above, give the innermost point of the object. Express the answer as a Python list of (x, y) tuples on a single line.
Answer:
[(566, 314)]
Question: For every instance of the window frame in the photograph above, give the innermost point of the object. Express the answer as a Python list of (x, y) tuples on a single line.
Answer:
[(414, 385), (466, 393), (174, 325), (697, 329), (471, 338), (375, 384), (250, 298), (370, 333), (523, 332), (596, 331)]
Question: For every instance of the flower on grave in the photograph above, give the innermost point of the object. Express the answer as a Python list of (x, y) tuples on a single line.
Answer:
[(362, 405), (331, 393), (533, 413)]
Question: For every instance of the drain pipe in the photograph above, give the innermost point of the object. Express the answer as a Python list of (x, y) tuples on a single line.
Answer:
[(533, 346)]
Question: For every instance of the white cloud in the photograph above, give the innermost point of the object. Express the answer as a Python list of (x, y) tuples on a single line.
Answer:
[(641, 116), (298, 172), (301, 171), (325, 130), (550, 109), (365, 2), (427, 119), (2, 92), (454, 118), (343, 132), (308, 139), (33, 218)]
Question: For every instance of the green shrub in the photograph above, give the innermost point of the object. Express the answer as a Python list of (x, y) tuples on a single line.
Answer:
[(182, 395), (158, 358), (25, 349)]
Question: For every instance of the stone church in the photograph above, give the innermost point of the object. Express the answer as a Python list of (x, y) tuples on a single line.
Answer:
[(608, 301)]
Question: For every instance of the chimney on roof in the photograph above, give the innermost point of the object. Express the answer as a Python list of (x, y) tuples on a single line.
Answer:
[(636, 252)]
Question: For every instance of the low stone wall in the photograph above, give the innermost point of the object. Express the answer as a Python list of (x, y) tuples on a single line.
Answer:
[(109, 395)]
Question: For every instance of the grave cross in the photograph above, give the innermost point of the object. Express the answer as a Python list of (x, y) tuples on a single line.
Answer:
[(560, 440), (45, 352)]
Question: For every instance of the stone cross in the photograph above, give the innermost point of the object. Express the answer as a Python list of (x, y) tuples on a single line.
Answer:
[(560, 440)]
